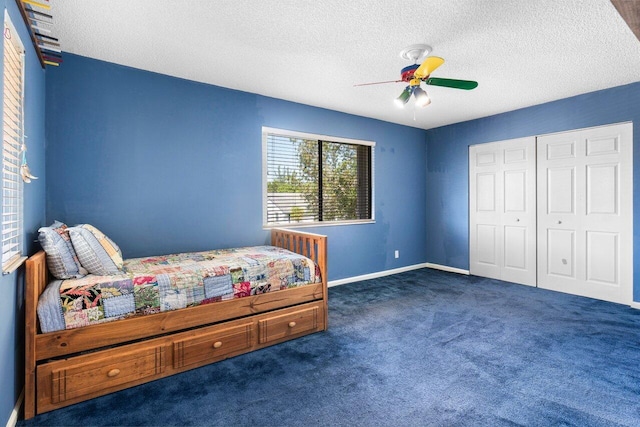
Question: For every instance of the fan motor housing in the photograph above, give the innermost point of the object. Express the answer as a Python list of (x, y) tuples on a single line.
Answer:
[(407, 72)]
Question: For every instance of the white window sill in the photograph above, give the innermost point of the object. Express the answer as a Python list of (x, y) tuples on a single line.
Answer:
[(317, 224), (13, 266)]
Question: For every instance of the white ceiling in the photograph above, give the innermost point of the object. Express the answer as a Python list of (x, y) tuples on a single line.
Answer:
[(522, 52)]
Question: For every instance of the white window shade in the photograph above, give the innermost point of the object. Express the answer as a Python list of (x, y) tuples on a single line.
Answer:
[(13, 136)]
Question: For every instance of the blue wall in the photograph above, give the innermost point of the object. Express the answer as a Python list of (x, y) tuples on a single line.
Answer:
[(163, 165), (12, 301), (447, 162)]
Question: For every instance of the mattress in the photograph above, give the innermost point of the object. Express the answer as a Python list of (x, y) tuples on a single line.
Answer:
[(170, 282)]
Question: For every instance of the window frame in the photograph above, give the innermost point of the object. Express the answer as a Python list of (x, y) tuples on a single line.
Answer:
[(17, 257), (317, 137)]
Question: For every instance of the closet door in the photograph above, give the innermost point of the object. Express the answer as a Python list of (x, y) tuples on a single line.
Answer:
[(502, 214), (585, 223)]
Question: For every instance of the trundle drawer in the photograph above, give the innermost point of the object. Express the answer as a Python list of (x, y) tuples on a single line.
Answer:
[(278, 327), (93, 374), (211, 346)]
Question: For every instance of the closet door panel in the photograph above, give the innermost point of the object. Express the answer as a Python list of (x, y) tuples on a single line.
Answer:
[(587, 178), (487, 245), (561, 253), (515, 244), (502, 210), (485, 205), (602, 257), (602, 189), (561, 190)]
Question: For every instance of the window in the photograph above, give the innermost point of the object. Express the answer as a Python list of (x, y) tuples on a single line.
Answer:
[(12, 127), (313, 179)]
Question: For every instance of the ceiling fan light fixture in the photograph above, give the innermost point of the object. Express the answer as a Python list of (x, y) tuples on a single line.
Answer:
[(422, 99), (404, 97)]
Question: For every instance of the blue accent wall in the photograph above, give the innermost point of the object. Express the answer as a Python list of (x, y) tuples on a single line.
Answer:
[(163, 165), (12, 301), (447, 162)]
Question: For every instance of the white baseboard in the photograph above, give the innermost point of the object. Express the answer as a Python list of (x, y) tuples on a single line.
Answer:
[(446, 268), (375, 275), (635, 304), (13, 419)]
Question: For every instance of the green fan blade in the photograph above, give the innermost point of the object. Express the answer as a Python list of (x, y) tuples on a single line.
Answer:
[(456, 84)]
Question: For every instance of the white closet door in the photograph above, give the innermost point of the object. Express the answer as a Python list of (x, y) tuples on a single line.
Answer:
[(502, 223), (585, 223)]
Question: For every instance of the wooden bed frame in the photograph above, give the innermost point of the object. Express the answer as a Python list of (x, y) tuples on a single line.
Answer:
[(70, 366)]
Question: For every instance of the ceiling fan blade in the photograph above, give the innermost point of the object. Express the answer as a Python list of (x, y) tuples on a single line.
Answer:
[(378, 83), (456, 84), (427, 66)]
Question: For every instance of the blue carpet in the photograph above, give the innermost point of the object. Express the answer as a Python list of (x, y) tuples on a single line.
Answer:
[(419, 348)]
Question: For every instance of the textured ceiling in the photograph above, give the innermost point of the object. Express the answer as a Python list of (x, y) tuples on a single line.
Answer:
[(522, 52)]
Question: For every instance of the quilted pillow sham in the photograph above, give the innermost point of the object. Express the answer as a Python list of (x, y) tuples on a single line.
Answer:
[(96, 252), (61, 257)]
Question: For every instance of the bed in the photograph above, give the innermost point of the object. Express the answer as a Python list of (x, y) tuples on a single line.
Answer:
[(92, 355)]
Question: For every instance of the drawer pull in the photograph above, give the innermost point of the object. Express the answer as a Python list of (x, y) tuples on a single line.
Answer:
[(112, 373), (292, 324), (217, 344)]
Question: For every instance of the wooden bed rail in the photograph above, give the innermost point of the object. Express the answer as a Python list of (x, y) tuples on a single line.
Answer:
[(35, 282)]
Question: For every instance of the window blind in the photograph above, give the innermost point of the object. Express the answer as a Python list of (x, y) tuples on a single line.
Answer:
[(312, 180), (12, 125)]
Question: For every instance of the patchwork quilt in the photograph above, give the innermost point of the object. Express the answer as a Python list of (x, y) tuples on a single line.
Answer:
[(170, 282)]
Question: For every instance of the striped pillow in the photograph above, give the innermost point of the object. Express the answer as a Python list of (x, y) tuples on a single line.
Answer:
[(96, 252), (61, 258)]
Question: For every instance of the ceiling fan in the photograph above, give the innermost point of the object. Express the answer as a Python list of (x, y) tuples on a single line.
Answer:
[(416, 74)]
